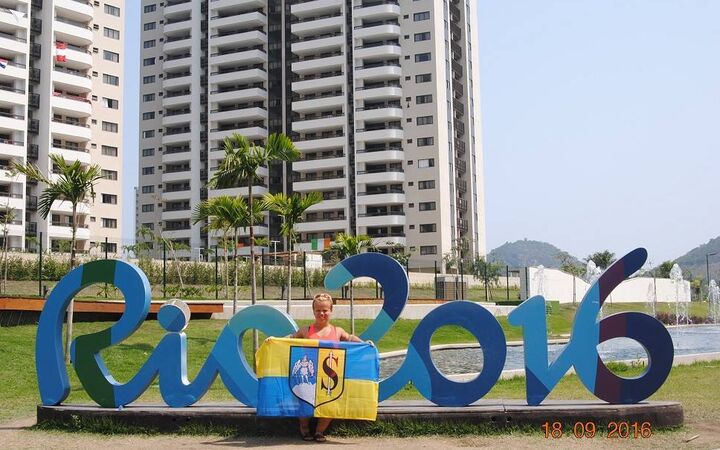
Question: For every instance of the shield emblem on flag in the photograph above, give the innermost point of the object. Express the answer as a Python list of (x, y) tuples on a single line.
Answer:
[(317, 374)]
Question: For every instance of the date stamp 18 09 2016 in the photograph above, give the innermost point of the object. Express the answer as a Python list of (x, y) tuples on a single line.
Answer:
[(590, 430)]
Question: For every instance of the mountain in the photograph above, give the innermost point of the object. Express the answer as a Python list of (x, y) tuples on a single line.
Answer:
[(694, 260), (529, 253)]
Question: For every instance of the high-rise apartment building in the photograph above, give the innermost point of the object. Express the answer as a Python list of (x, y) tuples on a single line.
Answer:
[(61, 93), (380, 96)]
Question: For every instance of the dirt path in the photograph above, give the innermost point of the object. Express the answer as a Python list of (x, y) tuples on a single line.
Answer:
[(17, 435)]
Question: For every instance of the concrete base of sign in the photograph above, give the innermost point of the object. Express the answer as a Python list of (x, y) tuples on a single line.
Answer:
[(500, 413)]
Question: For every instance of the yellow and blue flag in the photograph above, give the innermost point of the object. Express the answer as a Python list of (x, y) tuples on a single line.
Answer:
[(316, 378)]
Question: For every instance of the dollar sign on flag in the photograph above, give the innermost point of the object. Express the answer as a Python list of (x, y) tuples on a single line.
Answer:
[(331, 374)]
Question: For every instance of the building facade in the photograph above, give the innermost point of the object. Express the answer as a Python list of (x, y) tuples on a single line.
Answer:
[(380, 96), (61, 93)]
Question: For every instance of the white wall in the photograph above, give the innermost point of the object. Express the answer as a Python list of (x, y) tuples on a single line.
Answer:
[(558, 285)]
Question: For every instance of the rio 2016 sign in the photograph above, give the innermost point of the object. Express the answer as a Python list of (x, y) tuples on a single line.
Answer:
[(168, 359)]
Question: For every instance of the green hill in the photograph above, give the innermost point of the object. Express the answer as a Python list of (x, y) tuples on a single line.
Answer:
[(694, 260), (529, 253)]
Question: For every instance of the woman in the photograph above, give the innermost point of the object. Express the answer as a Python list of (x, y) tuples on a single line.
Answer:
[(321, 329)]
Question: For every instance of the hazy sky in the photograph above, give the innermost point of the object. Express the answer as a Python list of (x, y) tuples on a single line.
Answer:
[(601, 122)]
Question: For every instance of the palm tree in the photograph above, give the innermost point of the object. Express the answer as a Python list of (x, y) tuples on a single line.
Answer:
[(75, 184), (212, 211), (347, 245), (239, 167), (235, 213), (291, 208), (7, 218)]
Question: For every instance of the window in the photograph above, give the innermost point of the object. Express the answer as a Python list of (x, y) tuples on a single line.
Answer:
[(428, 249), (427, 184), (109, 174), (422, 57), (111, 33), (425, 163), (110, 103), (111, 79), (426, 206), (418, 17), (109, 223), (149, 44), (425, 141), (112, 10), (111, 247), (422, 36), (148, 134), (423, 78), (148, 189), (148, 170), (149, 8), (149, 26), (420, 99), (149, 79), (148, 151), (110, 126), (111, 56), (428, 227), (148, 61), (424, 120), (148, 207), (148, 115), (109, 151), (148, 97), (109, 199)]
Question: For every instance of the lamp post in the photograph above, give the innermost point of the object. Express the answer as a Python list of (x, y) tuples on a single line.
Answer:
[(707, 267)]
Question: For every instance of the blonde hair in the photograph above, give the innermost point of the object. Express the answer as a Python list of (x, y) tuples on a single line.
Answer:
[(322, 297)]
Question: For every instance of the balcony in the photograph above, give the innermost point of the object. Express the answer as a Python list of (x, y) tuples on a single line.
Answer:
[(321, 142), (335, 203), (318, 24), (377, 10), (71, 154), (176, 136), (174, 7), (363, 156), (238, 94), (258, 191), (246, 38), (176, 98), (72, 31), (63, 230), (175, 26), (12, 96), (323, 163), (78, 57), (339, 223), (12, 148), (380, 198), (313, 84), (244, 55), (308, 65), (176, 175), (232, 7), (77, 10), (250, 131), (328, 122), (238, 112), (388, 111), (380, 219), (66, 79), (15, 70), (13, 43), (71, 105), (306, 184), (10, 121), (389, 175), (315, 7), (177, 43), (173, 118), (318, 44), (389, 70), (70, 130), (177, 61), (331, 100), (380, 135), (13, 19), (380, 50), (238, 74), (383, 29)]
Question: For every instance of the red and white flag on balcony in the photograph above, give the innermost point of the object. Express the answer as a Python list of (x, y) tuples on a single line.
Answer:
[(3, 63), (60, 54)]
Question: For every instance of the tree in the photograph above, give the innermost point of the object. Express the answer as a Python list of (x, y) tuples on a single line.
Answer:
[(235, 213), (398, 253), (75, 184), (239, 168), (488, 272), (602, 259), (291, 208), (347, 245), (568, 265), (458, 254), (663, 270), (212, 211)]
